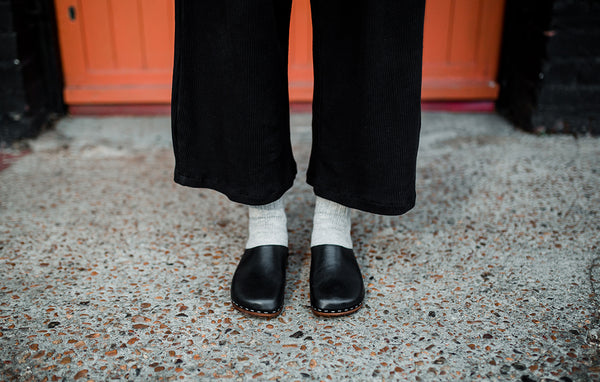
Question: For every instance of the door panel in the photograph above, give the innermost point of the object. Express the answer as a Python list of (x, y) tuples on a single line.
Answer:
[(461, 46), (116, 51)]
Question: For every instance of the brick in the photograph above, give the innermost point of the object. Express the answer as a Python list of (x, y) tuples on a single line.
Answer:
[(574, 42), (8, 46), (569, 98), (572, 72), (578, 14), (12, 101), (576, 8), (15, 76), (6, 19), (591, 22)]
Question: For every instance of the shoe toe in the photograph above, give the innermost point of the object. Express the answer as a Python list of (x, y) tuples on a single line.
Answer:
[(256, 296), (336, 284), (326, 302), (258, 283)]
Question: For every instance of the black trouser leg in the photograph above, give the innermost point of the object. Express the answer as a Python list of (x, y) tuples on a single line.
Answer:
[(366, 104), (230, 114), (230, 107)]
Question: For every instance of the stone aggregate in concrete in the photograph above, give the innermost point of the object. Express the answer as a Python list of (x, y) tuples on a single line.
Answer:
[(112, 271)]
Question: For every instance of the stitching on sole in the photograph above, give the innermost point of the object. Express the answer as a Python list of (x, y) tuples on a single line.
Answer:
[(255, 310), (335, 311)]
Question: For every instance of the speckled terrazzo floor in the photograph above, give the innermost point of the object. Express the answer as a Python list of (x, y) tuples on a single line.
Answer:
[(110, 270)]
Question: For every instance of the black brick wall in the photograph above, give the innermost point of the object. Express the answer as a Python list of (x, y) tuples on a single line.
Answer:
[(30, 71), (550, 66)]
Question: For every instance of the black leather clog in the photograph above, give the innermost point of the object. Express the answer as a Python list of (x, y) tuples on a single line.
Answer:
[(258, 283), (336, 283)]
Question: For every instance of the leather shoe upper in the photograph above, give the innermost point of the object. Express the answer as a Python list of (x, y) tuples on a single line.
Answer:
[(258, 283), (336, 283)]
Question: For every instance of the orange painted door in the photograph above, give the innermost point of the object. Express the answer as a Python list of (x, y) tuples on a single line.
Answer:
[(300, 69), (121, 51), (116, 51), (461, 49)]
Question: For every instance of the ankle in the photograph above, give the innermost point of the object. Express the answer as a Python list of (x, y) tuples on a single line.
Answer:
[(267, 224), (331, 223)]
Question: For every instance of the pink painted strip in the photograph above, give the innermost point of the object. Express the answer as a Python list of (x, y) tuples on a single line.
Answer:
[(6, 159), (459, 106), (131, 109), (295, 107)]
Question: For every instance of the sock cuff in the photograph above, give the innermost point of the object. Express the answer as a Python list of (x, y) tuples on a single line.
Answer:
[(329, 207), (331, 223), (275, 205), (267, 224)]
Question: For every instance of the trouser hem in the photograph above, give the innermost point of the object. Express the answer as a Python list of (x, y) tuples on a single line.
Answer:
[(364, 204), (234, 196)]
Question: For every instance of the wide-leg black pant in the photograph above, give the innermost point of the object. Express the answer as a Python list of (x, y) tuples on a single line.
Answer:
[(230, 109)]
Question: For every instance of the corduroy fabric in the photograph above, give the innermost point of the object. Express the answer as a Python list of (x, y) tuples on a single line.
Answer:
[(230, 109)]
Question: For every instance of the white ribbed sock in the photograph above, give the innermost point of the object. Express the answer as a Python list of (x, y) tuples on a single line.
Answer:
[(331, 224), (267, 224)]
